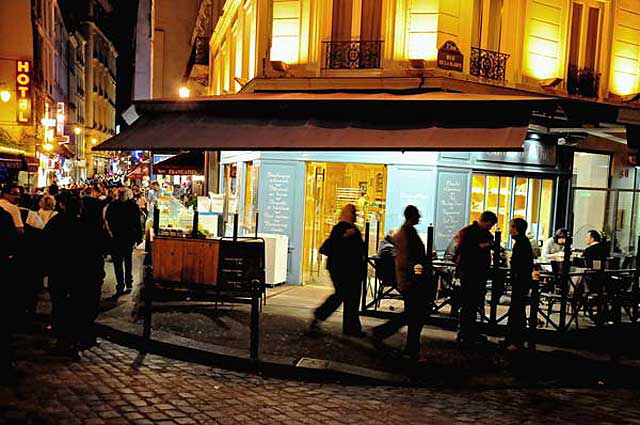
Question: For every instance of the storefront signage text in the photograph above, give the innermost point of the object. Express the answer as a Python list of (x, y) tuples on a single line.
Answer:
[(533, 153), (60, 119), (450, 57), (23, 91)]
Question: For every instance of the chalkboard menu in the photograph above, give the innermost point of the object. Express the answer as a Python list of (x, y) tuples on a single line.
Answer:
[(241, 265), (276, 209), (451, 212)]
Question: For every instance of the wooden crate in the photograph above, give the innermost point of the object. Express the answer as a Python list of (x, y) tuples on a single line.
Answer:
[(186, 260)]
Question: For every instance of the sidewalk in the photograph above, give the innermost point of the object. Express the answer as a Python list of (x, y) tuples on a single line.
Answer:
[(289, 310)]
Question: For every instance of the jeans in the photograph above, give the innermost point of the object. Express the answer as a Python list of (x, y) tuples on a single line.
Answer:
[(122, 254), (347, 292), (474, 285), (416, 308)]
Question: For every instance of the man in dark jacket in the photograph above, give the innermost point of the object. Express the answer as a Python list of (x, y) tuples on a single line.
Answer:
[(473, 260), (596, 249), (125, 230), (521, 279), (8, 248), (346, 266), (413, 278)]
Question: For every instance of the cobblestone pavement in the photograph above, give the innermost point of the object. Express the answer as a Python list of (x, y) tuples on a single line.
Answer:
[(115, 385)]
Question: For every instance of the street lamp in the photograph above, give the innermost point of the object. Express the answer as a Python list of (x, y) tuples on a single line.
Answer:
[(5, 96), (93, 141), (77, 131), (184, 92)]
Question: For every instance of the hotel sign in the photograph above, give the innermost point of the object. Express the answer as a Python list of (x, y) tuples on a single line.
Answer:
[(450, 57), (24, 114)]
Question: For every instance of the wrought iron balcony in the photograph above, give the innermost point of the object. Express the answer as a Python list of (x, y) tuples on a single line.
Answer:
[(582, 81), (488, 64), (352, 54)]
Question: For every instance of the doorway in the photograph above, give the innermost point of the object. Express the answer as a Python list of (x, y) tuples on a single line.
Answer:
[(329, 187)]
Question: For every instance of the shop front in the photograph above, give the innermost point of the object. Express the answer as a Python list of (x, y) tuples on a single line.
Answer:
[(300, 194)]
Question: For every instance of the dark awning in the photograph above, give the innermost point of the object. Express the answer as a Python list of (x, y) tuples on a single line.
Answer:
[(138, 171), (11, 160), (31, 164), (332, 121), (187, 163)]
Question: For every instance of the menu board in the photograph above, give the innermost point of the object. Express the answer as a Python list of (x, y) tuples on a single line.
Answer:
[(241, 265), (451, 213), (276, 210)]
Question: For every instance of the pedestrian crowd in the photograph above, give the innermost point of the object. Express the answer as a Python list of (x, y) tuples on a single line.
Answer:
[(59, 238), (404, 260)]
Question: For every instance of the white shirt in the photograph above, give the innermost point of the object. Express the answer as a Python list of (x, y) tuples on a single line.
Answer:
[(14, 211), (46, 215)]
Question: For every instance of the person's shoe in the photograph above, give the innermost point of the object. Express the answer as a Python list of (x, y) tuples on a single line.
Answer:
[(314, 328)]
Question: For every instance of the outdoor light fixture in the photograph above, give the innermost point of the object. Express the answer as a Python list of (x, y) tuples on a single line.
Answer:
[(5, 95), (77, 131), (550, 83), (184, 92), (93, 141), (631, 98)]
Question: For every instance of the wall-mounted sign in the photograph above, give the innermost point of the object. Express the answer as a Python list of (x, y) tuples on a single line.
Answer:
[(23, 90), (60, 118), (534, 153), (450, 57)]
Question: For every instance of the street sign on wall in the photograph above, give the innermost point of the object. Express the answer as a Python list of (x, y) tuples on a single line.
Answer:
[(450, 57)]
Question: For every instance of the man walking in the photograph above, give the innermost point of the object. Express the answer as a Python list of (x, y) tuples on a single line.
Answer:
[(125, 230), (473, 260), (413, 278)]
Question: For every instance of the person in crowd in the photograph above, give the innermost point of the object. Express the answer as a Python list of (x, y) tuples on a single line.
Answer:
[(8, 246), (140, 199), (8, 202), (596, 249), (47, 209), (555, 244), (124, 228), (521, 281), (152, 195), (473, 263), (53, 189), (413, 278), (346, 265)]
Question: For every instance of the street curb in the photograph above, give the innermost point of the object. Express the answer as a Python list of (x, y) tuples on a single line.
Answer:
[(185, 349)]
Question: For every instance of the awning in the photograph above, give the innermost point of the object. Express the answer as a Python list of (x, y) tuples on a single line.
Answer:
[(139, 171), (286, 121), (31, 164), (11, 160), (184, 164)]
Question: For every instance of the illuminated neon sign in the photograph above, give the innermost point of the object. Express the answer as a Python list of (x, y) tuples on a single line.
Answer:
[(23, 89)]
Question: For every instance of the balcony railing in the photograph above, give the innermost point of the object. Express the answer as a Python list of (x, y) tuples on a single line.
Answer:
[(488, 64), (352, 54), (583, 81)]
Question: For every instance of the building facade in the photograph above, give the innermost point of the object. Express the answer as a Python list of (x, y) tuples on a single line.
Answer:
[(586, 53)]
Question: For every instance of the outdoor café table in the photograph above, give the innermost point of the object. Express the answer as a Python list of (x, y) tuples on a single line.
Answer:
[(575, 278)]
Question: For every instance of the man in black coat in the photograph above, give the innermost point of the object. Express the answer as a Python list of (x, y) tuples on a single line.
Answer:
[(521, 280), (125, 231), (596, 249)]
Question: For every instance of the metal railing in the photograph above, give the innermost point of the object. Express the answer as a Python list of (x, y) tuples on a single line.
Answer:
[(583, 81), (488, 64), (352, 54)]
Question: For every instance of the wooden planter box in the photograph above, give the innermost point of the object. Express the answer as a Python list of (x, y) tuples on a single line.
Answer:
[(186, 260)]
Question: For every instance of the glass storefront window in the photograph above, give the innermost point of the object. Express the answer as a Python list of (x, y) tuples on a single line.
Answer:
[(591, 170), (250, 198), (511, 197)]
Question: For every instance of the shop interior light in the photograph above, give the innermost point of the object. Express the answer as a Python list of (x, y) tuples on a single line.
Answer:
[(77, 130), (5, 95), (184, 92)]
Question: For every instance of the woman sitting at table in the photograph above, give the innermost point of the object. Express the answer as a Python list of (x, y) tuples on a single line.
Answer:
[(521, 277), (555, 244)]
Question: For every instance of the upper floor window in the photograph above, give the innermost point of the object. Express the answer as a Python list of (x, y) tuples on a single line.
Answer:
[(487, 24), (286, 31), (585, 38)]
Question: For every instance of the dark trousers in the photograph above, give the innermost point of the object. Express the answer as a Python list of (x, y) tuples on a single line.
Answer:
[(122, 254), (7, 311), (62, 317), (347, 292), (416, 308), (474, 286), (517, 323)]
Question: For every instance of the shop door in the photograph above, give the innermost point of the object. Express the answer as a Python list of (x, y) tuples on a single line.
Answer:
[(329, 187)]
